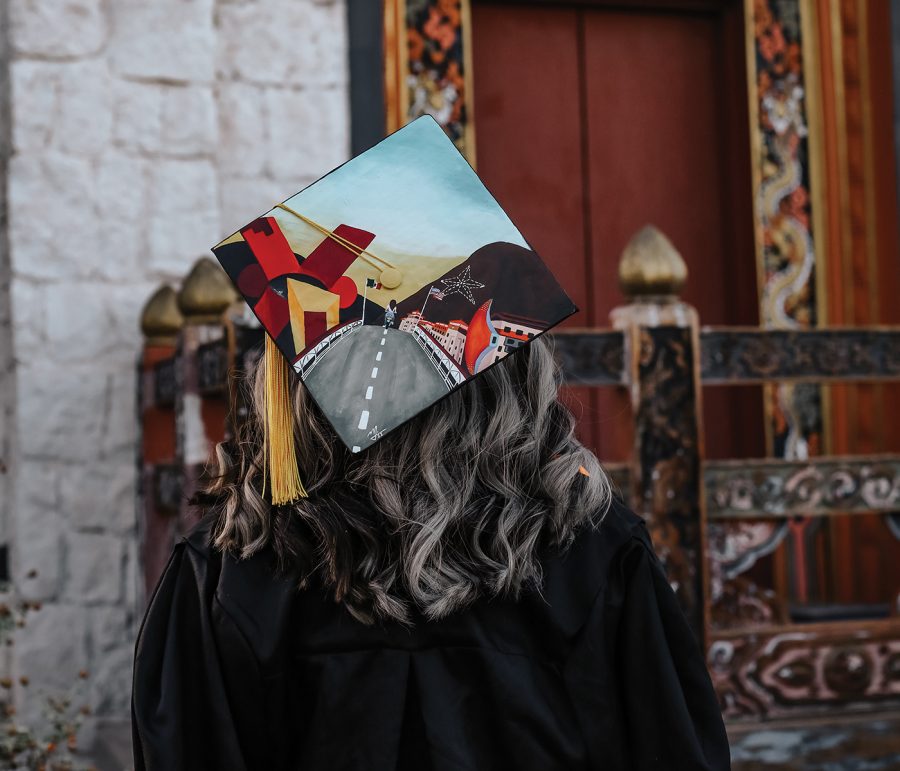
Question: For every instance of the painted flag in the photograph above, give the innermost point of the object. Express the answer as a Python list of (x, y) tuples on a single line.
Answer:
[(436, 293)]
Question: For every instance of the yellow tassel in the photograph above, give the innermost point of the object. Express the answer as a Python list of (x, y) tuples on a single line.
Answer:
[(281, 455)]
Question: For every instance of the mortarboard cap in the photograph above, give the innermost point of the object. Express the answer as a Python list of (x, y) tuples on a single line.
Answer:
[(385, 285)]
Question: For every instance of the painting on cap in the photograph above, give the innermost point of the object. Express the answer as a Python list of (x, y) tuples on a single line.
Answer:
[(391, 281)]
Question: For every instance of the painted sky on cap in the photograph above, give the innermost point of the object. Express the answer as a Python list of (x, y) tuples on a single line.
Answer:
[(414, 190)]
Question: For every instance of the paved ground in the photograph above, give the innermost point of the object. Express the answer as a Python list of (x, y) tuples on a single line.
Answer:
[(855, 743), (382, 377)]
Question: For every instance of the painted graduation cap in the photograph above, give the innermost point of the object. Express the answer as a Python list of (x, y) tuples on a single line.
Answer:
[(386, 284)]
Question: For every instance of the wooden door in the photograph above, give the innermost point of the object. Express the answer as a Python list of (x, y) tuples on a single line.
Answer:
[(593, 120)]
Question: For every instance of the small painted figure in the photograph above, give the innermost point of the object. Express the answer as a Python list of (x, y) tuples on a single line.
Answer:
[(390, 313)]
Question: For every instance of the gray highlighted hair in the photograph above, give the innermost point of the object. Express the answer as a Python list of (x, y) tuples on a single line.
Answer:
[(452, 506)]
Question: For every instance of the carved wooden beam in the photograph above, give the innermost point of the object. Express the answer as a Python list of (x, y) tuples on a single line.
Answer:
[(732, 356), (750, 355), (806, 669), (593, 357), (778, 488)]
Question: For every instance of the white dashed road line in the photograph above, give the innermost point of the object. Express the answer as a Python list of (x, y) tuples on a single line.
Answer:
[(369, 392), (374, 371), (378, 356), (363, 419)]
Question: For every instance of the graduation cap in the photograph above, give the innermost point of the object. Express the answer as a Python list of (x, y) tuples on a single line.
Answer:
[(388, 283)]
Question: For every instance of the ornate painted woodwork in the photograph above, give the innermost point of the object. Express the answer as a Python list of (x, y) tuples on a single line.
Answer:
[(806, 670), (783, 489), (590, 357), (662, 377), (428, 66), (730, 356)]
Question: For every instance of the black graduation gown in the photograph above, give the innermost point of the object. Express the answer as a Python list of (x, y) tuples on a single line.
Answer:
[(234, 669)]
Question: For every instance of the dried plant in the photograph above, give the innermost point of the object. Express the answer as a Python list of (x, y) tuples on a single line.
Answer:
[(52, 744)]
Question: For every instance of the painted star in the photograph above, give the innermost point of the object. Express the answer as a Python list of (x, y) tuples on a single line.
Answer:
[(463, 284)]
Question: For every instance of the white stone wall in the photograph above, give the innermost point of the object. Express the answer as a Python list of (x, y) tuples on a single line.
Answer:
[(142, 131)]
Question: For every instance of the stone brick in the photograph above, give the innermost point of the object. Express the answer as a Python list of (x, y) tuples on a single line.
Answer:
[(99, 496), (64, 105), (52, 647), (83, 322), (94, 567), (30, 332), (84, 122), (61, 414), (169, 40), (37, 529), (58, 28), (183, 215), (109, 742), (71, 218), (109, 628), (111, 682), (189, 121), (35, 95), (242, 130), (119, 245), (174, 120), (38, 574), (51, 204), (137, 115), (87, 320), (288, 42), (120, 429), (300, 147)]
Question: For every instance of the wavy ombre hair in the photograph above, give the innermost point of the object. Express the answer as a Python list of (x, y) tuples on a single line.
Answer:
[(454, 505)]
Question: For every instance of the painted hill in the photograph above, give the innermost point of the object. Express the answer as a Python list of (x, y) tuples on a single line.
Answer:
[(514, 277)]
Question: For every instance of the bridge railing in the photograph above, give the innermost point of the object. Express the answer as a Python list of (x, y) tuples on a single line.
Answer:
[(447, 368)]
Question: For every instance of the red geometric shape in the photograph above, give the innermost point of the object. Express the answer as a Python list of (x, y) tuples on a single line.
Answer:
[(346, 288), (270, 247), (251, 281), (479, 336), (330, 259), (272, 312), (316, 326)]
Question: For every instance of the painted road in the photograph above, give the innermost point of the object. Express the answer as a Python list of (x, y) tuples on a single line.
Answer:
[(373, 380)]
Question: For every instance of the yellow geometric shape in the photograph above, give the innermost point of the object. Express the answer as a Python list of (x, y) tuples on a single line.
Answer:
[(305, 298)]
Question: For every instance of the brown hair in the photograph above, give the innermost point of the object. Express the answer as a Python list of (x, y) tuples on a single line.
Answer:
[(451, 506)]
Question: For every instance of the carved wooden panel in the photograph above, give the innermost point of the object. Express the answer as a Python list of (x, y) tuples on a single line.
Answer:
[(774, 488), (806, 670)]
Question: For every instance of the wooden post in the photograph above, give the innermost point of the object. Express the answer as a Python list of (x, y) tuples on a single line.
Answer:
[(662, 374), (199, 417), (159, 483)]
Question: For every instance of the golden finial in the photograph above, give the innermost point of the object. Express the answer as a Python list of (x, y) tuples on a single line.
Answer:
[(161, 319), (651, 265), (205, 293)]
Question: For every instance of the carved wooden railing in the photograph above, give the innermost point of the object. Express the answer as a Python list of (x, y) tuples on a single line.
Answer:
[(704, 516), (707, 516)]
